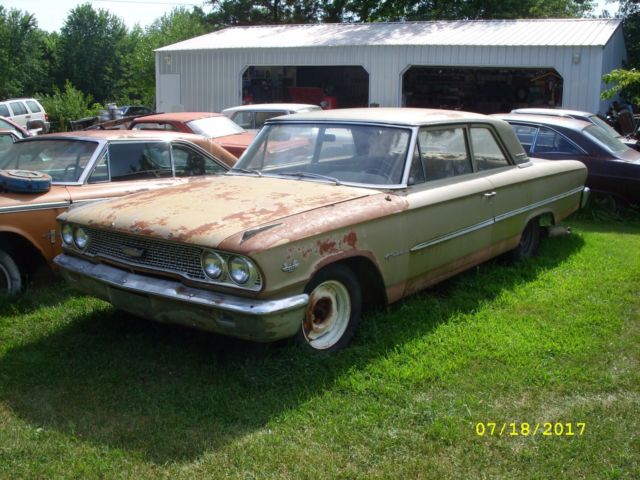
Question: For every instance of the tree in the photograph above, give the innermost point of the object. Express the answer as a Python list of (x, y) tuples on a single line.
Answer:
[(24, 54), (91, 51)]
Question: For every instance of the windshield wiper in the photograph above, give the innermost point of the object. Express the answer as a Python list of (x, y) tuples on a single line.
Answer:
[(311, 175), (253, 171)]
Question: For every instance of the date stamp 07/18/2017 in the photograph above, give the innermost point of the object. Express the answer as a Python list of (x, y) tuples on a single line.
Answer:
[(526, 429)]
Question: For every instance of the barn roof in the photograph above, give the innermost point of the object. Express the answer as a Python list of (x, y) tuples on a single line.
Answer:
[(548, 32)]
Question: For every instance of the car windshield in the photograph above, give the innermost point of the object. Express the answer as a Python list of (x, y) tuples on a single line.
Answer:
[(214, 127), (64, 160), (611, 143), (596, 120), (360, 154)]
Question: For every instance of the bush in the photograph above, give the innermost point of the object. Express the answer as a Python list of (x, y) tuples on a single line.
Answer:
[(62, 107)]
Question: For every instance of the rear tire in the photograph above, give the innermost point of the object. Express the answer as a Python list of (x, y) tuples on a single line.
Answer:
[(10, 276), (333, 313), (529, 241)]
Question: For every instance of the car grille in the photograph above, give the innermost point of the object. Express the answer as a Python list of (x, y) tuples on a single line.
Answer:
[(176, 258)]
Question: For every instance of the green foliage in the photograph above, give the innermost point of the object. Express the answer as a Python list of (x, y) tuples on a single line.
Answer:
[(92, 48), (626, 83), (67, 105), (25, 52)]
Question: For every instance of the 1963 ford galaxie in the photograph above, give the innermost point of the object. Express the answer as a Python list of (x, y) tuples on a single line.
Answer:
[(325, 213)]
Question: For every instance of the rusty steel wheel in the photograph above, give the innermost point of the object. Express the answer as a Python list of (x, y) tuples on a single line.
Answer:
[(333, 311)]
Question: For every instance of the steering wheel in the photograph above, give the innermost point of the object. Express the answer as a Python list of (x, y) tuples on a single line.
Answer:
[(70, 171)]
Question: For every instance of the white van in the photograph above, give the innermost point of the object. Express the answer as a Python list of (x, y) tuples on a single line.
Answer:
[(26, 112)]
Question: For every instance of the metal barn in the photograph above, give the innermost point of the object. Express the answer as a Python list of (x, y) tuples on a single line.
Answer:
[(482, 66)]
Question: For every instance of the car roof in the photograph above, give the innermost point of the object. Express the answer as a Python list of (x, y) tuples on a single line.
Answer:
[(271, 106), (123, 134), (549, 120), (552, 111), (388, 115), (176, 117)]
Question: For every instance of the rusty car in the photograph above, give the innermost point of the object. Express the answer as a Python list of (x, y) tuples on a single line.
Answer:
[(221, 129), (42, 176), (326, 213)]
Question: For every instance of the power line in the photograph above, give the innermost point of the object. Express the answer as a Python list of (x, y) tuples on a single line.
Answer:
[(177, 4)]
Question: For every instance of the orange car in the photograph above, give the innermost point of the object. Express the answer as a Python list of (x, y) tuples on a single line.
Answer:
[(216, 126), (42, 176)]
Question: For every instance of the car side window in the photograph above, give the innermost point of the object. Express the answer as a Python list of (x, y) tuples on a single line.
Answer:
[(100, 172), (244, 119), (486, 151), (526, 135), (154, 126), (550, 141), (416, 172), (444, 153), (4, 110), (33, 106), (188, 162), (18, 108), (139, 161)]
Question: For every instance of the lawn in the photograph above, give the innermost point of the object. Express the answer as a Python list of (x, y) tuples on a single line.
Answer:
[(552, 343)]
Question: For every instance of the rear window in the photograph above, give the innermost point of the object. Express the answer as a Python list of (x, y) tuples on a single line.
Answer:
[(611, 143)]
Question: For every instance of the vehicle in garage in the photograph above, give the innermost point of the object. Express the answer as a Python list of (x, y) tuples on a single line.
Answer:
[(42, 176), (326, 213)]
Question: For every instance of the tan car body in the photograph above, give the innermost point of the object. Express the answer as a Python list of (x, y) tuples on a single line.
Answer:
[(397, 240), (28, 221)]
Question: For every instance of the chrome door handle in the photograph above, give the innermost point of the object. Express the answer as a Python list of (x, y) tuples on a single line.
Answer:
[(489, 194)]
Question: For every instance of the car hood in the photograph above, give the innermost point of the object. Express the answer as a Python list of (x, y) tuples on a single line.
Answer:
[(209, 211)]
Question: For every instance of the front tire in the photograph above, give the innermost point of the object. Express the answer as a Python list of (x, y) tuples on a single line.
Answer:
[(333, 313), (10, 277)]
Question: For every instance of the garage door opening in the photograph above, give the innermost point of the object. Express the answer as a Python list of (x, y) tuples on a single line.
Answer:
[(482, 90), (331, 86)]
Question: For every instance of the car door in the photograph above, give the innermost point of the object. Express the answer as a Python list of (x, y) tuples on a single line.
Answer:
[(450, 215), (19, 112)]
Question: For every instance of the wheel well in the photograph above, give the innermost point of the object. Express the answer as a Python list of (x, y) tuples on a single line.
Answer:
[(373, 291), (28, 257)]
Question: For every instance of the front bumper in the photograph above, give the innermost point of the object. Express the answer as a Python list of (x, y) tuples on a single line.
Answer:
[(169, 301)]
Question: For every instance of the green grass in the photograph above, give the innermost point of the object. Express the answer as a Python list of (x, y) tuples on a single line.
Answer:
[(86, 392)]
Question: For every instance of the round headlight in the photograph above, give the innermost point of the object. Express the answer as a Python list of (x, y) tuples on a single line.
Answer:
[(80, 237), (212, 264), (67, 234), (239, 270)]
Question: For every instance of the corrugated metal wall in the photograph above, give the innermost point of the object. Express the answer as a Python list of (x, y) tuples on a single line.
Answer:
[(211, 80)]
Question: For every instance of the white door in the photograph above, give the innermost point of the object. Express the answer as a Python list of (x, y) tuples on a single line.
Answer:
[(169, 93)]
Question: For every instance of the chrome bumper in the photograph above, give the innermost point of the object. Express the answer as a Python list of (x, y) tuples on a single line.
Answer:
[(170, 301)]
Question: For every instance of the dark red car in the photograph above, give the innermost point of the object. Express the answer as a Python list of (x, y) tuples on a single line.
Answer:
[(614, 168), (216, 126)]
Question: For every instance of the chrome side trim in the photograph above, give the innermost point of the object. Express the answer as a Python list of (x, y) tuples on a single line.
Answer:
[(33, 206), (488, 223), (541, 203), (452, 235), (176, 291)]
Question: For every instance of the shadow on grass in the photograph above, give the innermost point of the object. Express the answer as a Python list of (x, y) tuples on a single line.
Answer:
[(170, 393), (49, 291)]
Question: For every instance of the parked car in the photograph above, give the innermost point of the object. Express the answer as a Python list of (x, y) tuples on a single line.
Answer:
[(365, 206), (26, 112), (252, 117), (216, 126), (584, 116), (42, 176), (114, 112), (614, 168), (8, 124)]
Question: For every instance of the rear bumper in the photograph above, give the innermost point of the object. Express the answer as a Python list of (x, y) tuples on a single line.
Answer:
[(170, 301)]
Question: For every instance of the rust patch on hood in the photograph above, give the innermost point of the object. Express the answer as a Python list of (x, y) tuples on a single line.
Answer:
[(209, 211)]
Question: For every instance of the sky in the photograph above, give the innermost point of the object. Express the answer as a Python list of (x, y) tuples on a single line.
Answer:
[(51, 14)]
